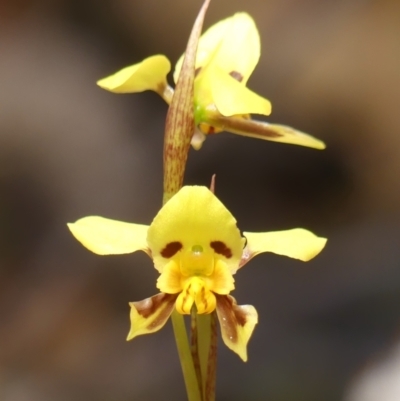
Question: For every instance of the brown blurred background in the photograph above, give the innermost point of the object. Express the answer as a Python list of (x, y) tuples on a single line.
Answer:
[(69, 149)]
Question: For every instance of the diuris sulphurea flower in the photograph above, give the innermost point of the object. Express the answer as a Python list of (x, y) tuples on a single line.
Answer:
[(197, 249), (227, 54)]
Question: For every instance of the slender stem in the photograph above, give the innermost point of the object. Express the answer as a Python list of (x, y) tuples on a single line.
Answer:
[(211, 378), (194, 342), (182, 343), (203, 343), (207, 350)]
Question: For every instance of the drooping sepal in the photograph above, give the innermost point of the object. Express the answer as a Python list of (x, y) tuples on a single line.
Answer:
[(237, 323), (262, 130), (297, 243), (151, 314), (149, 74)]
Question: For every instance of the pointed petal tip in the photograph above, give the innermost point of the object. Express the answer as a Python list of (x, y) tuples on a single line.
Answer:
[(237, 324)]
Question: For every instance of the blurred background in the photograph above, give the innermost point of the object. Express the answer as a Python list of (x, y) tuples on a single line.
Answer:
[(329, 329)]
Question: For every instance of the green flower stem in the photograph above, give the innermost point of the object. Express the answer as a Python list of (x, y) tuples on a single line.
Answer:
[(207, 351), (182, 343), (194, 345), (211, 378)]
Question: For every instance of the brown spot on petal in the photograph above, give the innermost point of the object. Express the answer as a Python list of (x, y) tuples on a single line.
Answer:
[(221, 248), (236, 75), (197, 71), (149, 306), (203, 297), (211, 130), (171, 249)]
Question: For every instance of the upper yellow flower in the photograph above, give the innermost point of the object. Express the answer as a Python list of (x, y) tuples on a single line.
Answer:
[(197, 248), (227, 54)]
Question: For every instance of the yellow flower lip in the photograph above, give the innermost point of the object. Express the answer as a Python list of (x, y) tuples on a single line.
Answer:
[(197, 248)]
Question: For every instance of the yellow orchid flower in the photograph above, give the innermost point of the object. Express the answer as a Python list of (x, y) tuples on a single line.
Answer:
[(197, 248), (227, 54)]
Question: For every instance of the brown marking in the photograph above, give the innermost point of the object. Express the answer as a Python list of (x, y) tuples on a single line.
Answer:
[(230, 316), (160, 303), (212, 185), (240, 315), (227, 317), (203, 296), (171, 249), (257, 129), (221, 248), (184, 301), (166, 311), (236, 75), (211, 130), (149, 306), (197, 71)]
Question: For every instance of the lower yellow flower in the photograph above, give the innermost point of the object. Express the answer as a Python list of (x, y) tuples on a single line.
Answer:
[(197, 248)]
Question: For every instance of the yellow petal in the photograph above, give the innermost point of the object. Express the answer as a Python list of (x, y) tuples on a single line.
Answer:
[(296, 243), (232, 45), (170, 279), (237, 324), (150, 74), (221, 282), (263, 130), (194, 217), (150, 315), (231, 97), (109, 237)]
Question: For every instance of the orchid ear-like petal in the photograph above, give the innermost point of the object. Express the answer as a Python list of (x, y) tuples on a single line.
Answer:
[(109, 237), (150, 74), (170, 280), (151, 314), (195, 217), (231, 97), (237, 323), (232, 45), (297, 243)]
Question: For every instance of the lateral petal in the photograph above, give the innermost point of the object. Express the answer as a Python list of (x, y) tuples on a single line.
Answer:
[(231, 97), (109, 237), (150, 74), (151, 314), (170, 279), (297, 243), (221, 282), (237, 324)]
